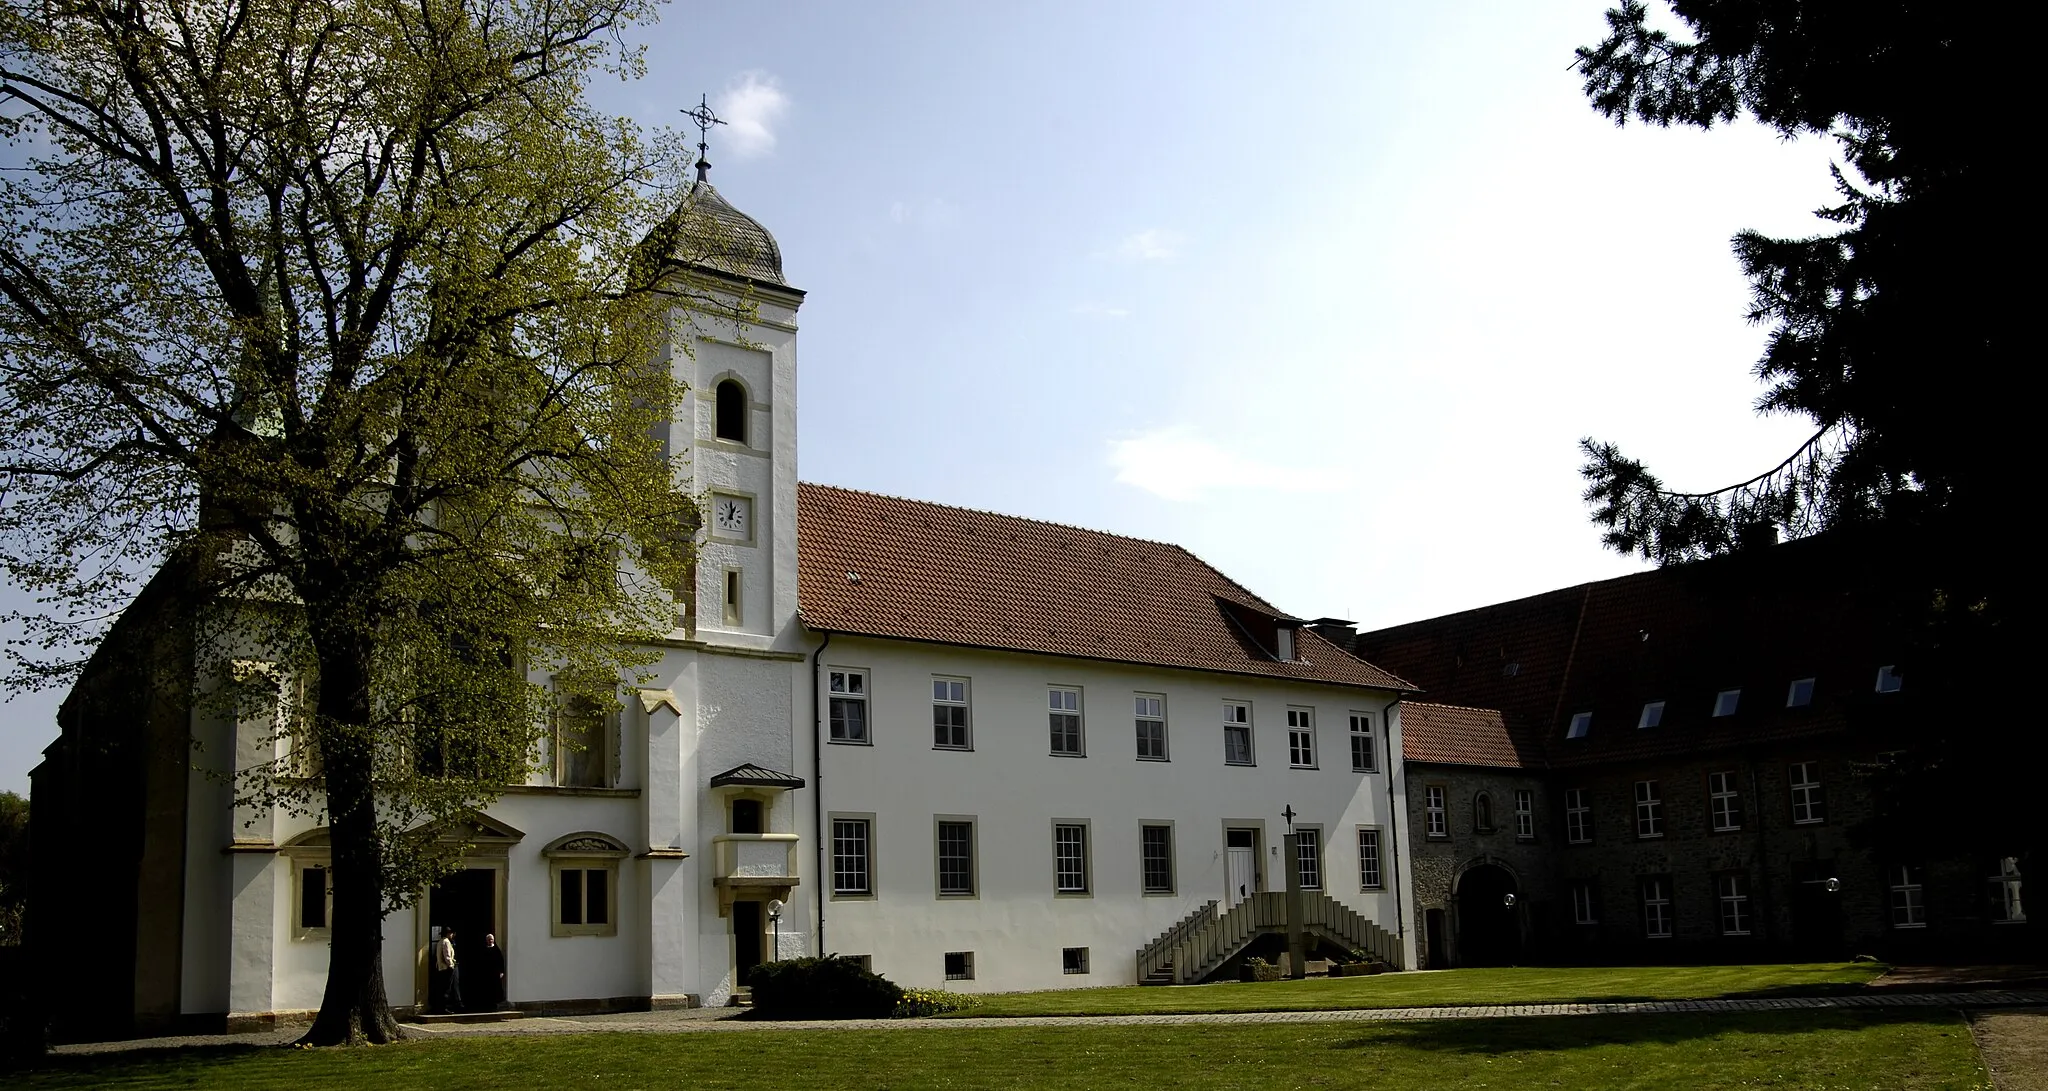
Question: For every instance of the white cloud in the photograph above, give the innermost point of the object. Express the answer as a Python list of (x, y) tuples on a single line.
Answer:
[(1177, 463), (751, 106), (1151, 244), (1101, 310)]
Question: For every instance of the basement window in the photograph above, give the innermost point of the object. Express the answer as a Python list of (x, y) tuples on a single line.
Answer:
[(959, 965), (1073, 960)]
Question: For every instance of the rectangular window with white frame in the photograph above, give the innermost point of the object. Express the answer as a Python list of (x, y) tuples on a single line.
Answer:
[(1909, 904), (1237, 733), (1724, 801), (1064, 703), (1308, 857), (957, 871), (1155, 857), (952, 724), (1578, 816), (1301, 738), (848, 705), (1150, 709), (1435, 814), (1370, 875), (1657, 918), (1525, 814), (1070, 857), (1809, 804), (1733, 892), (1365, 751), (1585, 903), (1649, 810), (853, 856)]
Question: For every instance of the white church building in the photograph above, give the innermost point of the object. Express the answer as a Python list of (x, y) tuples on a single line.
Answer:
[(980, 752)]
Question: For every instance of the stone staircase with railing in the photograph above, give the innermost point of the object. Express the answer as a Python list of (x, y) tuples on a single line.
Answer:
[(1204, 940)]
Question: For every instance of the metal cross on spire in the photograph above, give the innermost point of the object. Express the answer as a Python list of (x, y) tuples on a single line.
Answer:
[(705, 119)]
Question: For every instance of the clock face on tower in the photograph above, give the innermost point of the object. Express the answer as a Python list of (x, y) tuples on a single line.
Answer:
[(731, 516)]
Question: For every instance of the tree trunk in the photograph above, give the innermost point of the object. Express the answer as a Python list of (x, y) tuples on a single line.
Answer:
[(354, 1010)]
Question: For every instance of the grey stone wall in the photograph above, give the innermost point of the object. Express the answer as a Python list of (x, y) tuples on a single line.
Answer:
[(1785, 866), (1439, 863)]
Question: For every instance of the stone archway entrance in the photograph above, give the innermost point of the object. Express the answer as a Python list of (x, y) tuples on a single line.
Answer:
[(1489, 924)]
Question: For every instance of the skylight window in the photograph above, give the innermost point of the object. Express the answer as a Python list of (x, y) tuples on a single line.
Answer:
[(1582, 722), (1725, 702), (1888, 680), (1800, 695), (1653, 714)]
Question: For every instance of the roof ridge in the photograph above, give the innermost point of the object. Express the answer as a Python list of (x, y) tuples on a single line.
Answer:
[(1461, 708), (1007, 515)]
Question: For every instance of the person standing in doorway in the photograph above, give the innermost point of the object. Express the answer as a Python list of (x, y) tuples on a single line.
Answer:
[(490, 972), (451, 974)]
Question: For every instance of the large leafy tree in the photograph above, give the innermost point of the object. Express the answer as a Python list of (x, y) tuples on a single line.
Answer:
[(335, 314), (1895, 329)]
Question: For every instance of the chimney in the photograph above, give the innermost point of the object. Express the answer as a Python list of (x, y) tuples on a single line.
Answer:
[(1336, 630)]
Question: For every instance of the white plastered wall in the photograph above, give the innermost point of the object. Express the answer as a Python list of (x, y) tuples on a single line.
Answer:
[(1014, 788)]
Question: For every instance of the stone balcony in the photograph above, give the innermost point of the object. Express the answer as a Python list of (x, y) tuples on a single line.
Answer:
[(763, 863)]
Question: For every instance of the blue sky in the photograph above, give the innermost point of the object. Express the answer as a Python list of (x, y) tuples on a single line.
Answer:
[(1325, 292)]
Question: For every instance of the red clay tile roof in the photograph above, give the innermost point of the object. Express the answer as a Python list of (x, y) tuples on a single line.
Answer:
[(1754, 622), (882, 566), (1455, 735)]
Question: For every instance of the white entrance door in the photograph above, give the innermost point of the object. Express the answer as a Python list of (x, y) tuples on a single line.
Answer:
[(1240, 865)]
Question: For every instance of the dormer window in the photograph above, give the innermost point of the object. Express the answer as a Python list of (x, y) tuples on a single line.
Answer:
[(1653, 714), (1285, 644), (1800, 695), (1888, 680), (1725, 702), (1582, 722), (732, 411)]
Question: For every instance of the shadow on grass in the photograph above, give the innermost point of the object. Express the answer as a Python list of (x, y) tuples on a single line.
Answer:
[(99, 1069), (1774, 992), (1568, 1032)]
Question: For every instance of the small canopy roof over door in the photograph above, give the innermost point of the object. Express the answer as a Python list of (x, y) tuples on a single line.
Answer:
[(754, 776)]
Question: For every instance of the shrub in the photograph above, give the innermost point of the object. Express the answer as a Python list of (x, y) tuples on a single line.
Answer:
[(917, 1002), (833, 987)]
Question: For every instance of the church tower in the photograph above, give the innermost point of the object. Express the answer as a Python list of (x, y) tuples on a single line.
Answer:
[(733, 342)]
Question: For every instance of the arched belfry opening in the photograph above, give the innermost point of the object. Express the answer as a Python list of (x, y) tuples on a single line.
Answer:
[(732, 411)]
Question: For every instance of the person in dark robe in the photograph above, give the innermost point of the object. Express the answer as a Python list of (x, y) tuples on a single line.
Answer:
[(488, 976)]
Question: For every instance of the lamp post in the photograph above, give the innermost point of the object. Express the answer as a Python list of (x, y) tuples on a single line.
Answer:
[(1297, 968), (775, 918)]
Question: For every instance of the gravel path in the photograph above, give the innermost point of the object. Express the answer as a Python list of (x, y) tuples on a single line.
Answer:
[(2015, 1047)]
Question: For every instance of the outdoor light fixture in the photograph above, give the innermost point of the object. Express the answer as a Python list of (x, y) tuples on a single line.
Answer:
[(1508, 900), (775, 918)]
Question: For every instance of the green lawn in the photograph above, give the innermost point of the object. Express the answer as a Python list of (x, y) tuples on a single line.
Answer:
[(1517, 985), (1790, 1049)]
